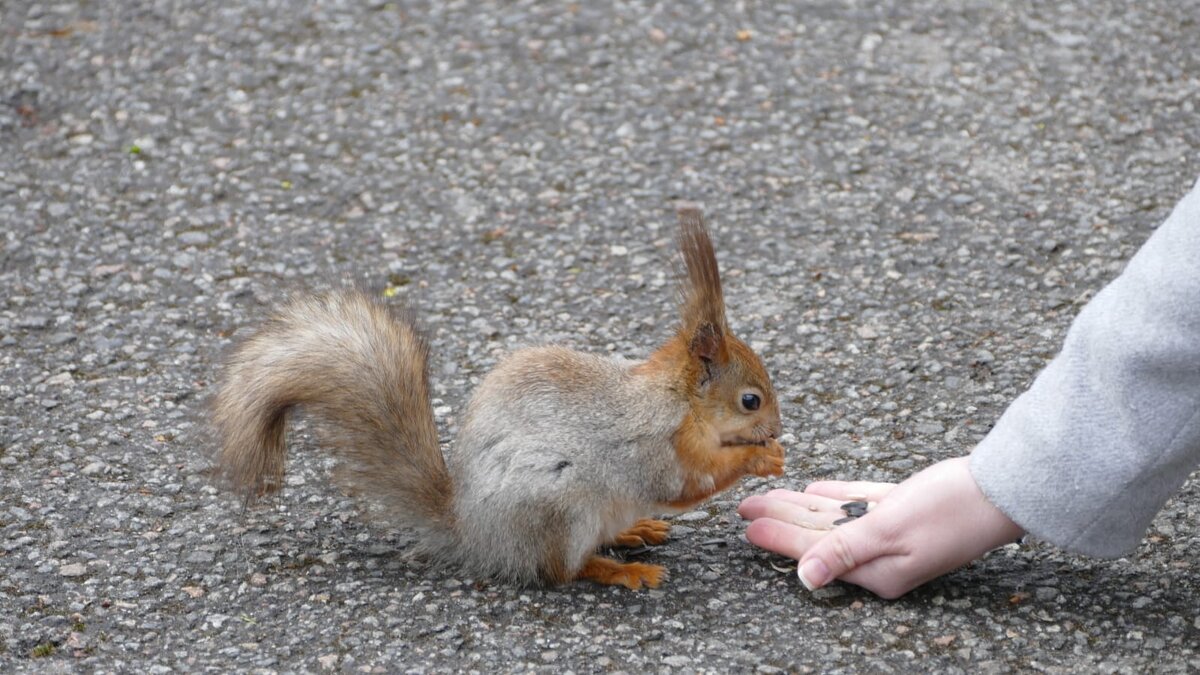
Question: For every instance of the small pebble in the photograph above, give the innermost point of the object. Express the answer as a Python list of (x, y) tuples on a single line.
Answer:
[(34, 322), (73, 570)]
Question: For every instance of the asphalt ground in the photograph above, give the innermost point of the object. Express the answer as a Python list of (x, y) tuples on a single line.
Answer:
[(911, 200)]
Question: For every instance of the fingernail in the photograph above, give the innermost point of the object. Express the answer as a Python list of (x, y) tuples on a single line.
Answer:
[(856, 497), (813, 574)]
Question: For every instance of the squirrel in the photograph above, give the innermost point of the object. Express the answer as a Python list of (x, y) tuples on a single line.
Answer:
[(560, 452)]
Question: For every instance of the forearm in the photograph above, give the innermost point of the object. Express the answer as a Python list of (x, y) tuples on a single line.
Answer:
[(1110, 429)]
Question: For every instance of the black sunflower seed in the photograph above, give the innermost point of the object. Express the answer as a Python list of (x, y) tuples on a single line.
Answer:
[(855, 509)]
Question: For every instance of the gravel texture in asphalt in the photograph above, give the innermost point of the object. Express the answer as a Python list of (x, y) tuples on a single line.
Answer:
[(911, 201)]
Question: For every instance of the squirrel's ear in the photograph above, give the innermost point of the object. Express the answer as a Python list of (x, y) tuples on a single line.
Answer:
[(705, 342)]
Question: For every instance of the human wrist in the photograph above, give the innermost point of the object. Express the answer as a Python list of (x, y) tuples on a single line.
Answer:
[(995, 527)]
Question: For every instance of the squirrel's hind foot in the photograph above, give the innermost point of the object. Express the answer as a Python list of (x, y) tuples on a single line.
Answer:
[(631, 575)]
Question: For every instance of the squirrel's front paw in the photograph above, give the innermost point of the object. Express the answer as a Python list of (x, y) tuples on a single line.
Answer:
[(645, 532), (768, 462)]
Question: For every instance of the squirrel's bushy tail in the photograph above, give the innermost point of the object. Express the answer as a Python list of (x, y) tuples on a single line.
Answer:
[(360, 371)]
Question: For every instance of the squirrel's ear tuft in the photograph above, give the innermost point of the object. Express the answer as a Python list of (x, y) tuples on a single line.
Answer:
[(703, 302), (705, 342)]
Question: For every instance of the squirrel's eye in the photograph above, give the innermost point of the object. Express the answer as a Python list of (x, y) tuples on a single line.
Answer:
[(751, 401)]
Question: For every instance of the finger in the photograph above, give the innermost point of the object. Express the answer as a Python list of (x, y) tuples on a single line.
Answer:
[(804, 499), (842, 550), (782, 538), (756, 503), (815, 513), (850, 490), (882, 575)]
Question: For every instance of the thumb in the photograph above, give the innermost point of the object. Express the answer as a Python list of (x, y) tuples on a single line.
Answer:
[(837, 554)]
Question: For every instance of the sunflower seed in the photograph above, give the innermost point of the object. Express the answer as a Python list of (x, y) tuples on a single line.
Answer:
[(855, 509)]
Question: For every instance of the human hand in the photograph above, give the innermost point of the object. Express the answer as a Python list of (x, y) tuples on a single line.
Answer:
[(917, 530)]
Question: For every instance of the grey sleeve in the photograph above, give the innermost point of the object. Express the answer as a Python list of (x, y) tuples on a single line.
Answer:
[(1110, 429)]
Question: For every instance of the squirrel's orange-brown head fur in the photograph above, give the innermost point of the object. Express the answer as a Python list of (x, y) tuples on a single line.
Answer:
[(724, 379)]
